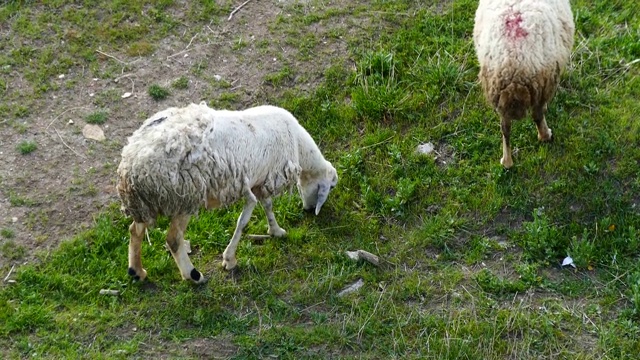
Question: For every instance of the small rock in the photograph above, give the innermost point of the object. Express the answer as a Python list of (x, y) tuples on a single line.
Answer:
[(91, 95), (425, 148), (186, 55), (364, 255), (70, 122), (217, 77), (352, 288), (353, 255), (126, 95), (14, 219), (93, 132), (61, 76)]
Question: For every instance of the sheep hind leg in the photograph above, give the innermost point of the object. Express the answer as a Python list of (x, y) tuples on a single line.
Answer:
[(505, 127), (229, 260), (137, 231), (274, 229), (544, 133), (177, 246)]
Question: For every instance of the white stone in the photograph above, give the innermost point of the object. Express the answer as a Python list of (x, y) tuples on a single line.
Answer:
[(425, 148), (352, 288), (93, 132)]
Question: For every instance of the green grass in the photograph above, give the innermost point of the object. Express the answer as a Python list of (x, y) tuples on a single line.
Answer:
[(99, 117), (470, 252), (7, 233), (12, 251), (27, 147), (181, 83), (158, 92)]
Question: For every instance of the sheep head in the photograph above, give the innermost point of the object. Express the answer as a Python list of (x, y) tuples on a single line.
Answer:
[(314, 187)]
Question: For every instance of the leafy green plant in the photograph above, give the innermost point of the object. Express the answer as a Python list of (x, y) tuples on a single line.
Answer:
[(99, 117), (541, 239), (181, 83), (26, 147), (158, 92), (7, 233)]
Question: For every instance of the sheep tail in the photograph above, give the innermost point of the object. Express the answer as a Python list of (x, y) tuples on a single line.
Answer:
[(514, 101), (133, 205)]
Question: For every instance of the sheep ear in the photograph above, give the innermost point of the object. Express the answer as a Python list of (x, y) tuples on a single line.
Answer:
[(323, 194)]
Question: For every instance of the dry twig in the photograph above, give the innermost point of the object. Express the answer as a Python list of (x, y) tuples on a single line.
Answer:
[(237, 9), (113, 57), (632, 62), (62, 113), (185, 49), (9, 274), (65, 144)]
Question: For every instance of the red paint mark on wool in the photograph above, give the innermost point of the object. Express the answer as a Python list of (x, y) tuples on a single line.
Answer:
[(513, 27)]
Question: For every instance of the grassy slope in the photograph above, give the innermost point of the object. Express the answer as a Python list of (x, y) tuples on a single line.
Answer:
[(471, 251)]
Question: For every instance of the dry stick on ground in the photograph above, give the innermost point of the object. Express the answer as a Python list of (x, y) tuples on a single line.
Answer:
[(113, 57), (62, 113), (632, 62), (185, 49), (9, 274), (128, 76), (65, 144), (237, 9)]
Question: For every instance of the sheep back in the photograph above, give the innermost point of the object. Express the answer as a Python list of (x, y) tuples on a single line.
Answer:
[(182, 159), (522, 48)]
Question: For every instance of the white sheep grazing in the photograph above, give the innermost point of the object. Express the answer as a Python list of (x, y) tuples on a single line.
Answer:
[(183, 159), (522, 47)]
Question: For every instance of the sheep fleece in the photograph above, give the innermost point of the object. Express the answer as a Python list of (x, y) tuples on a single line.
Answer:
[(182, 159), (522, 48)]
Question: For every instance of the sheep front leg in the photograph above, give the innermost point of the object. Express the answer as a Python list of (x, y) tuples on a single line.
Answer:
[(135, 248), (175, 242), (505, 127), (229, 260), (274, 229), (544, 133)]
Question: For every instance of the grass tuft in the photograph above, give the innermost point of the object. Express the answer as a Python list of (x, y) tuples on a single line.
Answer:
[(26, 147), (99, 117), (7, 233), (180, 83), (158, 92)]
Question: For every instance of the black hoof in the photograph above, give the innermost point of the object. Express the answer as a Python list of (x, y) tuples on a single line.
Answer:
[(195, 275), (133, 274)]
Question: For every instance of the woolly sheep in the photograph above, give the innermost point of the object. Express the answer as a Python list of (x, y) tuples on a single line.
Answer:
[(183, 159), (522, 47)]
